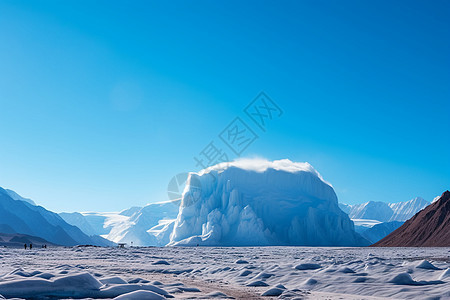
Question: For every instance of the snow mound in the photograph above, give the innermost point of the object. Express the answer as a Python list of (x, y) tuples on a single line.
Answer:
[(257, 283), (257, 202), (245, 273), (140, 295), (346, 270), (217, 294), (241, 261), (307, 266), (310, 281), (445, 274), (402, 279), (161, 262), (406, 279), (113, 280), (425, 264), (78, 285), (274, 292), (280, 286)]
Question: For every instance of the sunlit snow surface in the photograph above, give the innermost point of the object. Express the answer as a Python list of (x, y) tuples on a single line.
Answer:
[(209, 272)]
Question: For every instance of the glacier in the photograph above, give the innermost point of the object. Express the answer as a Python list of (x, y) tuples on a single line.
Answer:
[(255, 202)]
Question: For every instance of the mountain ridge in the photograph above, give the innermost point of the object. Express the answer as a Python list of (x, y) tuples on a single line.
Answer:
[(139, 226), (429, 227), (383, 211), (25, 218)]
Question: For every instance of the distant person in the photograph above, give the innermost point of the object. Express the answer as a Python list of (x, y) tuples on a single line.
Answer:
[(25, 246), (31, 246), (45, 246)]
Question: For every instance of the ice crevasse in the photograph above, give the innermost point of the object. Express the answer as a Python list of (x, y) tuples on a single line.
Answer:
[(255, 202)]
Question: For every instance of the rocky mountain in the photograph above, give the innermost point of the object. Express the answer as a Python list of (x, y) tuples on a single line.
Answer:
[(428, 228), (19, 216)]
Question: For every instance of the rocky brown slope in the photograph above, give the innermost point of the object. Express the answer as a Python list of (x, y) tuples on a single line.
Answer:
[(430, 227)]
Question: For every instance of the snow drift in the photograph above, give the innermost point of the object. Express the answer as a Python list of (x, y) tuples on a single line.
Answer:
[(252, 202)]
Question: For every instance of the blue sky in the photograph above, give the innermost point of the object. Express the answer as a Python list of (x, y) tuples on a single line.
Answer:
[(102, 102)]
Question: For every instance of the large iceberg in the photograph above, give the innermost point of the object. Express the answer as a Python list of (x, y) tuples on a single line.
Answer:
[(255, 202)]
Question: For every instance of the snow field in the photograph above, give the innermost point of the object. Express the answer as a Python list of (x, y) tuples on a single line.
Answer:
[(239, 272)]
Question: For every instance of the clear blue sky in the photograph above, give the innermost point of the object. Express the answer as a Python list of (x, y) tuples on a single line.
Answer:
[(102, 102)]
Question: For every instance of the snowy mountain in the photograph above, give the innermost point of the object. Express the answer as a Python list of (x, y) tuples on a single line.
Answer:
[(379, 231), (141, 226), (25, 218), (371, 210), (77, 219), (385, 212), (257, 202), (138, 227), (403, 211)]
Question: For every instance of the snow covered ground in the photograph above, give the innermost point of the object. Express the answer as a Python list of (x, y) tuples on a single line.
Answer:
[(213, 272)]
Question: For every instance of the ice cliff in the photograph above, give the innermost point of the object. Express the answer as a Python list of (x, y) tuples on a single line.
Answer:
[(252, 202)]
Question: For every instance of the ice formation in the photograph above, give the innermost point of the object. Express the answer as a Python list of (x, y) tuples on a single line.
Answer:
[(258, 202)]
